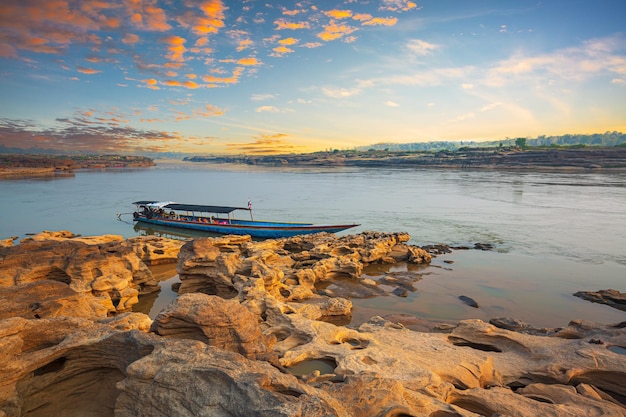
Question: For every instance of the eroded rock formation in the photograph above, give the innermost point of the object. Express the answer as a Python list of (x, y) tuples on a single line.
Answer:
[(251, 314), (93, 275)]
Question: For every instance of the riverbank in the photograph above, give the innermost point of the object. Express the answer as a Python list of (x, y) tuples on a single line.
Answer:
[(23, 165), (557, 159), (265, 338)]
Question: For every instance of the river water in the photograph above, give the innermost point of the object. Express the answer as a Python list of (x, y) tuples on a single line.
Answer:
[(553, 233)]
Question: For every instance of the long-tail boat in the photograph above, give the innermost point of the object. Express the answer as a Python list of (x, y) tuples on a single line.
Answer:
[(221, 220)]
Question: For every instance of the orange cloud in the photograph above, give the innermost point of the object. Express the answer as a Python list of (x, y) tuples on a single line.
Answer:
[(362, 16), (244, 44), (334, 31), (339, 14), (265, 145), (211, 20), (147, 15), (283, 24), (250, 61), (191, 85), (209, 111), (381, 21), (288, 41), (151, 83), (211, 79), (281, 50), (87, 70), (176, 48), (130, 39)]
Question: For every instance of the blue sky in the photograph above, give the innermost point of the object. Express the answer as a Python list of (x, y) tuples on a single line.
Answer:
[(278, 77)]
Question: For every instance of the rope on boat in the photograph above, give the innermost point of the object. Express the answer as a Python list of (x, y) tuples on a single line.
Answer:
[(119, 215)]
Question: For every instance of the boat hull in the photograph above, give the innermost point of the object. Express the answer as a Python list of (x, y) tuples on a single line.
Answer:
[(266, 230)]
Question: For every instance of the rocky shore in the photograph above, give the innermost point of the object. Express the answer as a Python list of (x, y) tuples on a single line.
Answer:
[(515, 158), (251, 333)]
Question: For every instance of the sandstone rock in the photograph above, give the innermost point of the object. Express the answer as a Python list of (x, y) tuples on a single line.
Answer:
[(5, 243), (154, 250), (225, 324), (109, 272), (47, 299), (610, 297), (65, 366), (289, 269)]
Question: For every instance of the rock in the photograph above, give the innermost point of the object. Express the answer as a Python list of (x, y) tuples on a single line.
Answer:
[(400, 292), (154, 250), (609, 297), (47, 299), (5, 243), (206, 355), (106, 270), (66, 365), (225, 324), (469, 301), (290, 269), (483, 246)]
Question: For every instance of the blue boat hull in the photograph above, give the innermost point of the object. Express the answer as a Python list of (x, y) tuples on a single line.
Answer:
[(258, 229)]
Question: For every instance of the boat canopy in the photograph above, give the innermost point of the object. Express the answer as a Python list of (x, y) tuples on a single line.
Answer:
[(202, 208)]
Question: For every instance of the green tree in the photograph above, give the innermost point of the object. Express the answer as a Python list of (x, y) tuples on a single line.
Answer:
[(521, 142)]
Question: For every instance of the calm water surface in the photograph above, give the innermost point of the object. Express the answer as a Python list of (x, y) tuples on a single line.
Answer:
[(554, 233)]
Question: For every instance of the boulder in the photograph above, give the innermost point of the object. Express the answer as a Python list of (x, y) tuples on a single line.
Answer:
[(609, 297), (225, 324)]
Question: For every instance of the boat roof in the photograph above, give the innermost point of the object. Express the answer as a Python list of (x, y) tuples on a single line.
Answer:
[(189, 207)]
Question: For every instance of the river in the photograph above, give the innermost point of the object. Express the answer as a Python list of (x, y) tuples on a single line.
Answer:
[(553, 233)]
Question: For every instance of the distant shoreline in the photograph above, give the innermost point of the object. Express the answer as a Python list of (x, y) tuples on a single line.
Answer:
[(25, 165), (611, 159)]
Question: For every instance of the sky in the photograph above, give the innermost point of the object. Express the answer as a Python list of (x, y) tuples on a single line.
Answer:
[(262, 77)]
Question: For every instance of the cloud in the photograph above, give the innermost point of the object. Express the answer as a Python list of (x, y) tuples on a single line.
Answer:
[(381, 21), (282, 50), (420, 47), (339, 14), (87, 70), (250, 61), (211, 20), (591, 58), (282, 24), (266, 144), (233, 79), (260, 97), (82, 133), (340, 92), (397, 5), (130, 39), (334, 30), (270, 109), (390, 103), (288, 41), (151, 83), (176, 48), (209, 111)]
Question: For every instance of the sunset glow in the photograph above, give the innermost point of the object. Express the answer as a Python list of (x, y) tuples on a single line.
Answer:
[(269, 77)]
